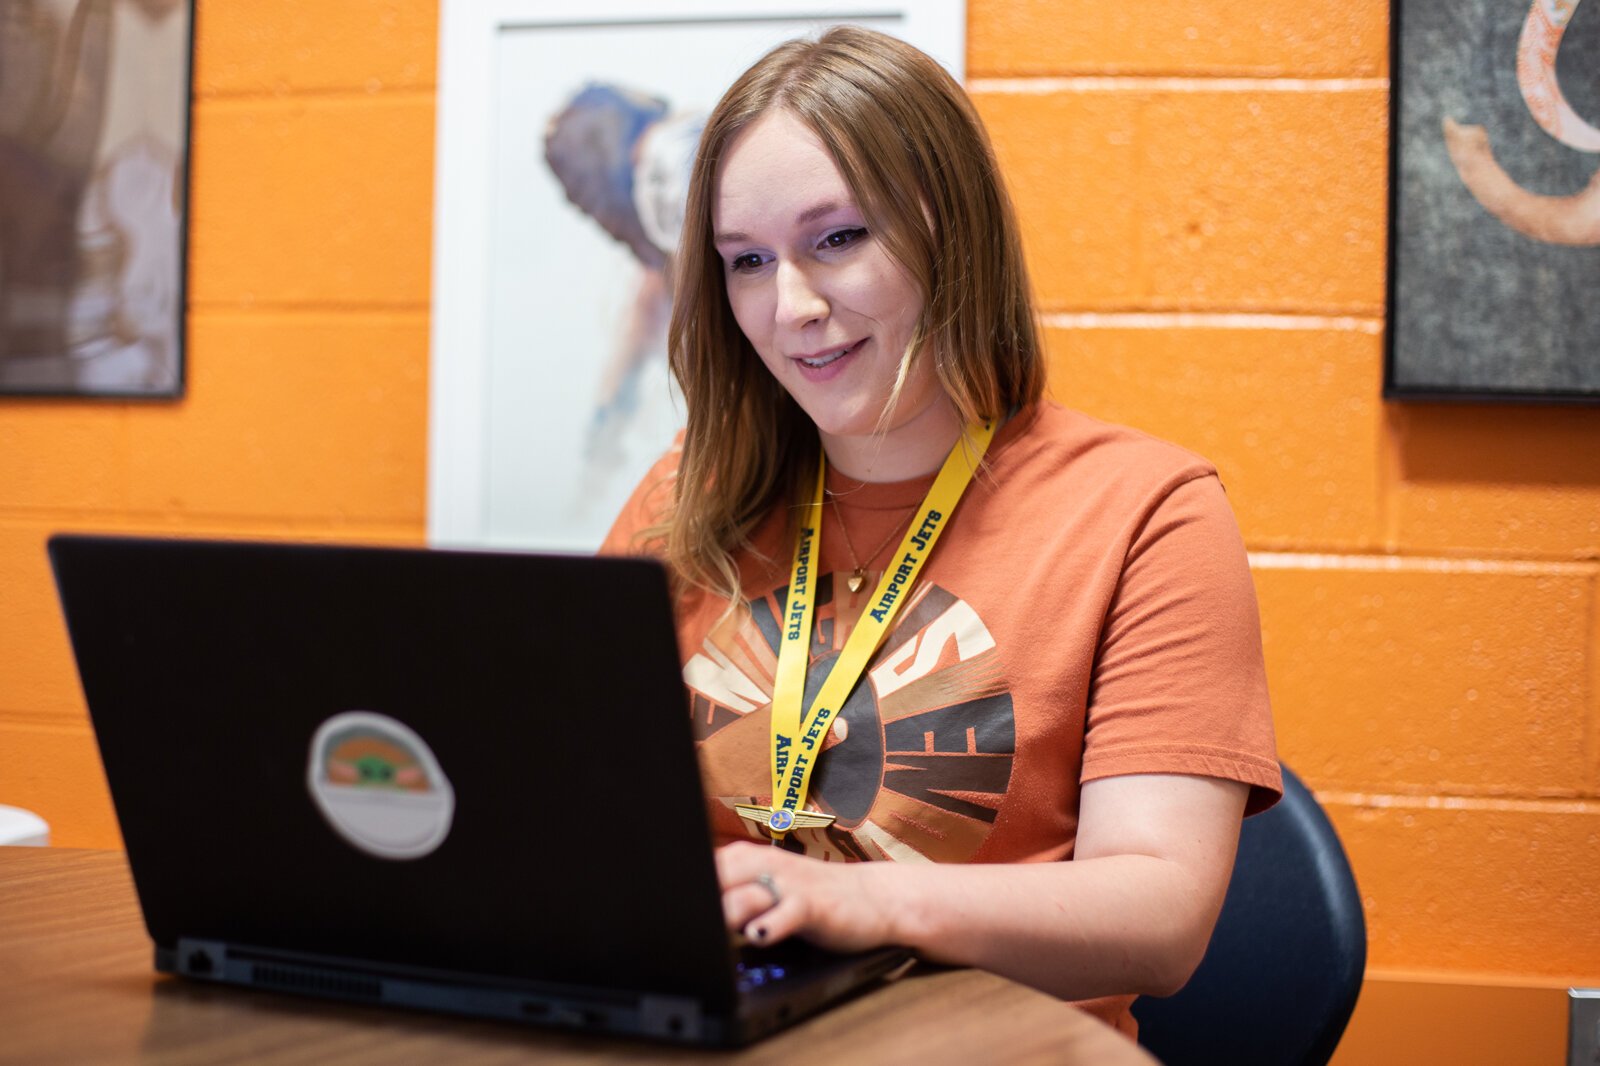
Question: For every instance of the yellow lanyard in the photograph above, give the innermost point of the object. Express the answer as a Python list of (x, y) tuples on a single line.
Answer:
[(797, 736)]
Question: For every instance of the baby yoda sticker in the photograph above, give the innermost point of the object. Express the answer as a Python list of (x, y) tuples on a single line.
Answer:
[(379, 786)]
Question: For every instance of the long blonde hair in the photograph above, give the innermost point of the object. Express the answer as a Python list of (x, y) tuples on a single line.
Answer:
[(913, 151)]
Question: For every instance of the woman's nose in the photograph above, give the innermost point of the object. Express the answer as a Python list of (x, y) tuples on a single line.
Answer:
[(799, 300)]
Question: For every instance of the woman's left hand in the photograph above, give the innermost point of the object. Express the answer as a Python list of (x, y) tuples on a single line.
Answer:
[(770, 894)]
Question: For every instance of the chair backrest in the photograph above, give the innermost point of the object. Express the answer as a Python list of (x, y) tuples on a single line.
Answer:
[(1281, 976)]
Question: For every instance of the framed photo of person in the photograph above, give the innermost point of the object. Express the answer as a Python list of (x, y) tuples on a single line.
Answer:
[(94, 161), (565, 138), (1495, 201)]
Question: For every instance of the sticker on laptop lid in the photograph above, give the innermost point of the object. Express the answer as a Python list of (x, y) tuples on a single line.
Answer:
[(379, 786)]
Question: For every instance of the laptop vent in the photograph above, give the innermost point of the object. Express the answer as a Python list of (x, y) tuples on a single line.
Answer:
[(317, 983)]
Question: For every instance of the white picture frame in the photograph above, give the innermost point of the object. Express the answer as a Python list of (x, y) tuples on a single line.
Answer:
[(531, 295)]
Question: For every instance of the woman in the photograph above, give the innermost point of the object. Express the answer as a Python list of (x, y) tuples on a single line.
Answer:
[(1056, 651)]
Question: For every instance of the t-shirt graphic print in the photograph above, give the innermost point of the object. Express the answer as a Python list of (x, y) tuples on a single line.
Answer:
[(924, 756)]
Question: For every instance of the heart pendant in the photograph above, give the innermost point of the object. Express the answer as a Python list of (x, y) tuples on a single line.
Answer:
[(855, 581)]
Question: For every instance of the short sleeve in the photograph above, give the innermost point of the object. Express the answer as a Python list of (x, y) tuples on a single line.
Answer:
[(1179, 684), (646, 507)]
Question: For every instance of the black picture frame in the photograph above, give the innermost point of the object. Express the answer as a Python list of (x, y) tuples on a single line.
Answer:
[(1492, 268), (95, 117)]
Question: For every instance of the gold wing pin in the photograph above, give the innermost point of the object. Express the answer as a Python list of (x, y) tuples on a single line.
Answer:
[(781, 819)]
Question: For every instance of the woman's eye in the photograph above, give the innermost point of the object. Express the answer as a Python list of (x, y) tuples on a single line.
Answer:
[(840, 238), (740, 264)]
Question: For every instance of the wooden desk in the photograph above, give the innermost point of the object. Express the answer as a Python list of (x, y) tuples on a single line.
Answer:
[(76, 985)]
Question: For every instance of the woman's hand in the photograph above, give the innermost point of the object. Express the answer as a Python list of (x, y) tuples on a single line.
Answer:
[(770, 894), (1132, 913)]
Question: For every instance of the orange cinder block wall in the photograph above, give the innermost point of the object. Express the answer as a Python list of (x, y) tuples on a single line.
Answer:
[(1202, 185), (305, 416)]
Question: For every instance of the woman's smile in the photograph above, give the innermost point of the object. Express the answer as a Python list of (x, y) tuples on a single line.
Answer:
[(828, 364)]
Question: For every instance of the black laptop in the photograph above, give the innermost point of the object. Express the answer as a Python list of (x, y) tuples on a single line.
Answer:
[(458, 781)]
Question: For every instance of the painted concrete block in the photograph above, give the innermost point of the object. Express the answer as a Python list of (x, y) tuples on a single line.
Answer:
[(324, 202), (1278, 38), (1198, 200), (316, 416), (284, 46), (1440, 677), (1522, 483), (60, 456), (1067, 160), (1265, 201), (1290, 416), (1479, 888), (56, 773)]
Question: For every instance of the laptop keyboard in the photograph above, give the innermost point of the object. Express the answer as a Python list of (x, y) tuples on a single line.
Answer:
[(751, 975)]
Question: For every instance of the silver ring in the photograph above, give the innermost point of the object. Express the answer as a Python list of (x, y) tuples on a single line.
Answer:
[(766, 882)]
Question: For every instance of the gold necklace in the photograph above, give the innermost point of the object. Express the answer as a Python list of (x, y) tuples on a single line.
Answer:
[(858, 576)]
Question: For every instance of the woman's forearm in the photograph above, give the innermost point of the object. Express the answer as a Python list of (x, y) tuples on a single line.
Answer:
[(1105, 926)]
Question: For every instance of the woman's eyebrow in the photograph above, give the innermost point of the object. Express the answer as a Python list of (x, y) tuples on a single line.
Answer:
[(816, 211), (810, 214)]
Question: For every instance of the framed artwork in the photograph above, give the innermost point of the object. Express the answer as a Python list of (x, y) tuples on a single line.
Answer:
[(565, 138), (1495, 201), (94, 149)]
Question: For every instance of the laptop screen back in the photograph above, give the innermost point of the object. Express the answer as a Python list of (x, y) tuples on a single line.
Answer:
[(539, 695)]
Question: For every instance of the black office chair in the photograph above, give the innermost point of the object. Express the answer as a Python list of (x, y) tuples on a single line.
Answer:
[(1278, 983)]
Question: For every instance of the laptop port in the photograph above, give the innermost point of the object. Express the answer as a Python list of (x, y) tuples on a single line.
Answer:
[(580, 1017), (206, 960)]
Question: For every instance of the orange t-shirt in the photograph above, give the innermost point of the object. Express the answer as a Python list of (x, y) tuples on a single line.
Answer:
[(1088, 612)]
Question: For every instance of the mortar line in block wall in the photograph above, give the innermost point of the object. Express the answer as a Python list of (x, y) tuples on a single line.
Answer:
[(1380, 801), (347, 310), (1591, 731), (41, 521), (1496, 979), (289, 96), (1209, 320), (1146, 83), (1275, 560), (63, 722)]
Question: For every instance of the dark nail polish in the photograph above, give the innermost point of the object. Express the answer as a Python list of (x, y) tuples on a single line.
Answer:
[(761, 933)]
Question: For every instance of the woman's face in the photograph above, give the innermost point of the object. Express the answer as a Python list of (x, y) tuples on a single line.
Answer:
[(821, 301)]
